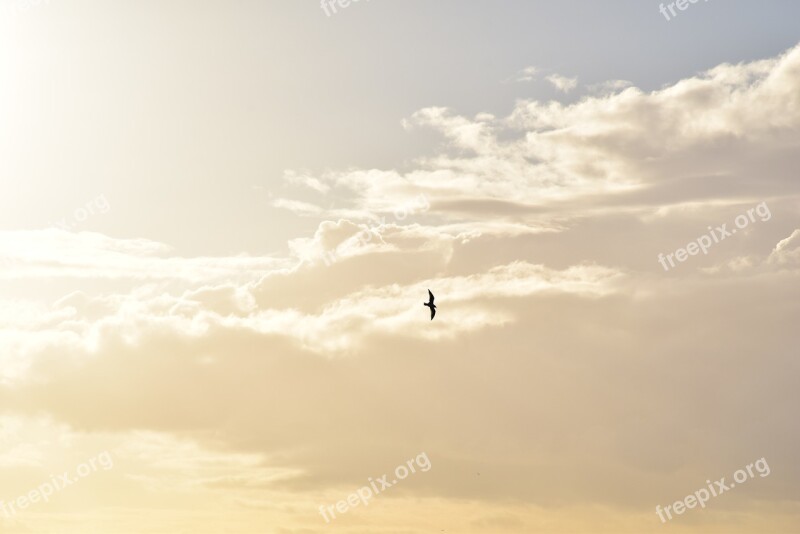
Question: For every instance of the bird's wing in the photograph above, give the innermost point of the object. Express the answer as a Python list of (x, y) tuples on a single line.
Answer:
[(433, 312), (431, 296)]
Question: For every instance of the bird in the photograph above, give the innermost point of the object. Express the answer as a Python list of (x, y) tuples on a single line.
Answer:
[(430, 304)]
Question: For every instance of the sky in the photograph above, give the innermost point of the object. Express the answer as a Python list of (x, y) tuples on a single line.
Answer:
[(219, 220)]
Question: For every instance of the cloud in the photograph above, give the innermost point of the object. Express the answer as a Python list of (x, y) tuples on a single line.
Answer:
[(53, 253), (787, 251), (629, 149), (609, 87), (527, 74), (562, 83), (297, 207)]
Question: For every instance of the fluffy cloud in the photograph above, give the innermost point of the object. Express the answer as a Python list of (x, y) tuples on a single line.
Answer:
[(704, 138), (527, 74), (562, 83), (53, 253)]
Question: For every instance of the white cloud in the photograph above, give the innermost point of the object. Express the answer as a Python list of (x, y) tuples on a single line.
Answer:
[(562, 83), (787, 251), (598, 149), (527, 74), (56, 253), (609, 87)]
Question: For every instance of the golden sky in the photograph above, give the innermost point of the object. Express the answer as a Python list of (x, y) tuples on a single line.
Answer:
[(220, 221)]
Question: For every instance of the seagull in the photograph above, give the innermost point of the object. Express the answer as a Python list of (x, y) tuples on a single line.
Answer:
[(430, 304)]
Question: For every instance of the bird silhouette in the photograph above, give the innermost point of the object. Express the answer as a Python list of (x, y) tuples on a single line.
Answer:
[(430, 304)]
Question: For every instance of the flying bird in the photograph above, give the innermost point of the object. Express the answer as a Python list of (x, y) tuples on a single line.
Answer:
[(430, 304)]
